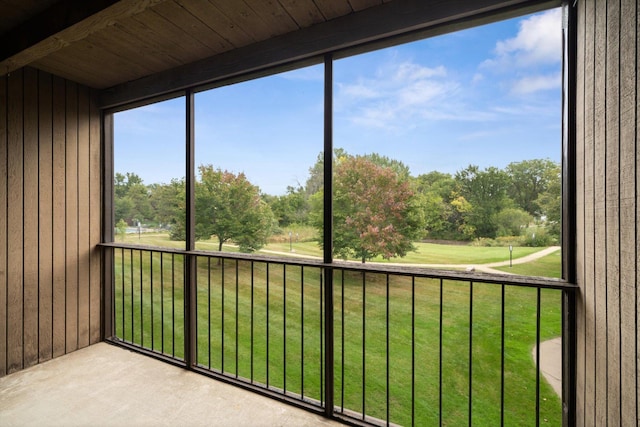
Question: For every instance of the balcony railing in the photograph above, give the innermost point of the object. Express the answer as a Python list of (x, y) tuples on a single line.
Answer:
[(365, 343)]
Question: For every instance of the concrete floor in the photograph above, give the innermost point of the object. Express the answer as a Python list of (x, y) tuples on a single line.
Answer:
[(104, 385)]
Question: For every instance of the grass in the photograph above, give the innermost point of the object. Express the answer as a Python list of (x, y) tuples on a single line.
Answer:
[(548, 266), (263, 322), (426, 253)]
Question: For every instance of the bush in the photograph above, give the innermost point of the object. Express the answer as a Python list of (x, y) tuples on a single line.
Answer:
[(501, 242), (536, 237)]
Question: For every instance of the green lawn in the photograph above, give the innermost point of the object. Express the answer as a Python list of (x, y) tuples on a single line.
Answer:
[(268, 329), (427, 253), (548, 266)]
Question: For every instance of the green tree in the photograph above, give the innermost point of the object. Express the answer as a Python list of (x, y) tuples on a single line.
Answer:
[(550, 203), (528, 179), (375, 211), (512, 221), (168, 201), (291, 208), (131, 199), (486, 191), (229, 207)]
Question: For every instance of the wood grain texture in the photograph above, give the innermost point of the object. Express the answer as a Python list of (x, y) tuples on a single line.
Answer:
[(71, 218), (72, 33), (15, 324), (49, 267), (599, 172), (580, 214), (3, 225), (612, 210), (84, 244), (30, 218), (59, 215), (589, 224), (95, 211), (45, 217)]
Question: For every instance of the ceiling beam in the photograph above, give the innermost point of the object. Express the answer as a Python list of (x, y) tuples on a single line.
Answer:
[(387, 24), (60, 25)]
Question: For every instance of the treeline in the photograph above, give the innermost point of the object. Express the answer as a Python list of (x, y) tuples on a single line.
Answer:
[(379, 207)]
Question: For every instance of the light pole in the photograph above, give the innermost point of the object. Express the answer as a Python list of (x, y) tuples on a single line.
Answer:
[(510, 255)]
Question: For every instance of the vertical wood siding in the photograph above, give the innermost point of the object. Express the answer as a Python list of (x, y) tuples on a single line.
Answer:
[(607, 220), (49, 218)]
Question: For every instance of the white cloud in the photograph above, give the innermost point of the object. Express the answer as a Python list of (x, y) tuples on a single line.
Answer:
[(539, 40), (530, 84), (532, 55), (396, 93)]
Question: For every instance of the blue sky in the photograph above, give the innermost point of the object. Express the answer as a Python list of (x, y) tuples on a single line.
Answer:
[(488, 96)]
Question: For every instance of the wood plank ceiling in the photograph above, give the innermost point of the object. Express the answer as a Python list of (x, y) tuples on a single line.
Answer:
[(131, 39)]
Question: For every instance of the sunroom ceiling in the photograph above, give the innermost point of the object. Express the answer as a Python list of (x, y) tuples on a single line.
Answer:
[(119, 41)]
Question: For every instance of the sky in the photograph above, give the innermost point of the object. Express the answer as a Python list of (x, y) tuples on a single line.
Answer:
[(486, 96)]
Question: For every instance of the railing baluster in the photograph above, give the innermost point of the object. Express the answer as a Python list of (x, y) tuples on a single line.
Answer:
[(124, 326), (284, 328), (267, 268), (302, 332), (141, 303), (387, 348), (162, 302), (470, 353), (222, 315), (173, 305), (322, 391), (133, 329), (209, 312), (237, 319), (342, 342), (440, 356), (538, 356), (413, 350), (151, 293), (502, 355), (252, 318), (364, 346)]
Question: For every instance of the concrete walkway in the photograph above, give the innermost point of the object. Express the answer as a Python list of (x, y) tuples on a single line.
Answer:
[(551, 362), (104, 385)]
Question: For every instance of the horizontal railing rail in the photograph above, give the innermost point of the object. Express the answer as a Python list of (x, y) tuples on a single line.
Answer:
[(410, 345)]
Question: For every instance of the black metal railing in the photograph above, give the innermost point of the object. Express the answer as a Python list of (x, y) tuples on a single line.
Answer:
[(409, 346)]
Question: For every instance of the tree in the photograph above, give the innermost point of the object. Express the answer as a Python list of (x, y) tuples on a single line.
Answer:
[(528, 179), (229, 207), (486, 191), (131, 199), (550, 203), (512, 221), (290, 208), (168, 201), (375, 211)]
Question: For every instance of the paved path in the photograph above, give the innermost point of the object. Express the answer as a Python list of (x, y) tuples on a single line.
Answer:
[(486, 268), (551, 362)]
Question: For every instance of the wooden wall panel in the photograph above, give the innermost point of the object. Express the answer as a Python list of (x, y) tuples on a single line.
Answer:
[(3, 226), (45, 217), (580, 216), (588, 290), (612, 211), (30, 218), (59, 257), (49, 270), (84, 245), (607, 224), (95, 217), (71, 211), (14, 223)]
